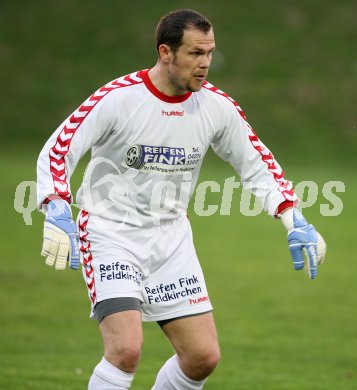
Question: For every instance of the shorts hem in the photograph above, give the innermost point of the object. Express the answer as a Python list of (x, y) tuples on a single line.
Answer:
[(176, 313), (120, 294)]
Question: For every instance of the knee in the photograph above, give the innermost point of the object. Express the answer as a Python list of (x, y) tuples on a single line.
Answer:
[(209, 361), (125, 356), (201, 364)]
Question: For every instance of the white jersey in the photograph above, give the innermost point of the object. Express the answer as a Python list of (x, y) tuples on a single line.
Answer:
[(147, 149)]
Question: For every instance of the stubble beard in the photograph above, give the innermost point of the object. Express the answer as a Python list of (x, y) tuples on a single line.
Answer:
[(184, 86), (195, 89)]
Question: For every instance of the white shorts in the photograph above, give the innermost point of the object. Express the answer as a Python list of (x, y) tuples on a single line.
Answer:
[(156, 264)]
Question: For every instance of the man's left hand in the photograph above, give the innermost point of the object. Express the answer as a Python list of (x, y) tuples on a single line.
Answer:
[(307, 247)]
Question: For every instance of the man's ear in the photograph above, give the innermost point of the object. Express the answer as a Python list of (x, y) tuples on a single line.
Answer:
[(165, 53)]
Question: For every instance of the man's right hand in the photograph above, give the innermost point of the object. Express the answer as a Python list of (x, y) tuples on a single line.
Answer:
[(60, 242)]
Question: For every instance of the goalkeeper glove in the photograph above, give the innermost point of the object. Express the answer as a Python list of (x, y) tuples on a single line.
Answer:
[(306, 245), (60, 241)]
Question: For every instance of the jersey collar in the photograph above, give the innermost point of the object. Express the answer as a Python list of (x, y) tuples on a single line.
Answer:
[(151, 87)]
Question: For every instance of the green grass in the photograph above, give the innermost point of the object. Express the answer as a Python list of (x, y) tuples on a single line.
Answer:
[(277, 329), (291, 66)]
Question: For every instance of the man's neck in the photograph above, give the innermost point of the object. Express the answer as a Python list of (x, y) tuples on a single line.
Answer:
[(159, 77)]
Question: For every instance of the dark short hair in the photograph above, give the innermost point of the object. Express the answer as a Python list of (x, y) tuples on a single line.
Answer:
[(170, 28)]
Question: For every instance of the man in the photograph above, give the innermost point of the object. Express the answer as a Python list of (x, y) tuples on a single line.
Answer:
[(148, 133)]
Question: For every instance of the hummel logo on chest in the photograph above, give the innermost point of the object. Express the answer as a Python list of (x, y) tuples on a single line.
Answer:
[(172, 113)]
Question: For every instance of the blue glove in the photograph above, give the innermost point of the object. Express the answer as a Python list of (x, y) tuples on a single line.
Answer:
[(60, 242), (306, 245)]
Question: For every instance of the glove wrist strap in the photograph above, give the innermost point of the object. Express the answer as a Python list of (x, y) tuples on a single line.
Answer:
[(58, 207), (287, 219)]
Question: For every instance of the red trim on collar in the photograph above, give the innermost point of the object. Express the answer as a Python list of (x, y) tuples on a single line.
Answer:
[(144, 74)]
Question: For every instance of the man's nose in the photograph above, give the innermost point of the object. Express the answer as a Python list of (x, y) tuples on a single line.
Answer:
[(205, 61)]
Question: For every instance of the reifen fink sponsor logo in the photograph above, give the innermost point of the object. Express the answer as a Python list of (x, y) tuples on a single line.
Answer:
[(162, 159)]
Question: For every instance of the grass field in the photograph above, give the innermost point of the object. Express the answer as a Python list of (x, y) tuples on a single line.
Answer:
[(278, 330), (291, 65)]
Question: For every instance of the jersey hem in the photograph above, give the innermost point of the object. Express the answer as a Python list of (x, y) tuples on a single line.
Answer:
[(176, 313)]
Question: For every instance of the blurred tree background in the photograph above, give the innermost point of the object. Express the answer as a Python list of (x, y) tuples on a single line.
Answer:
[(291, 65)]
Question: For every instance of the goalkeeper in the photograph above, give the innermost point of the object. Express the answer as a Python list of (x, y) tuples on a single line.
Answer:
[(148, 133)]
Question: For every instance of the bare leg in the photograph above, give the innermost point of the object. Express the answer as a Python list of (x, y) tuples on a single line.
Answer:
[(122, 338), (195, 342)]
